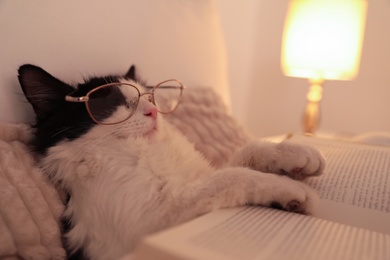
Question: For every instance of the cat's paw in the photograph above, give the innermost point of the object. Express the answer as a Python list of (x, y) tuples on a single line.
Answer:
[(297, 161), (294, 196), (287, 158)]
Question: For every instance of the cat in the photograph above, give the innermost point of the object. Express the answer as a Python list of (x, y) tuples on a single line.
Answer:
[(139, 176)]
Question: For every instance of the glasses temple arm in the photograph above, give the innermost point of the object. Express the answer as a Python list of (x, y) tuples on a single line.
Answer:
[(151, 87)]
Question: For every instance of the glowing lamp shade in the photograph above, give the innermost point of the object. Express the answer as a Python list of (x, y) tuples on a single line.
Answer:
[(323, 38)]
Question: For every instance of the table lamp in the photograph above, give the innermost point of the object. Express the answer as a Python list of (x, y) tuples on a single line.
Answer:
[(322, 40)]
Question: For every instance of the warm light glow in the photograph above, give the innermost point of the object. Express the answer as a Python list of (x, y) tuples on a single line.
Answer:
[(323, 38)]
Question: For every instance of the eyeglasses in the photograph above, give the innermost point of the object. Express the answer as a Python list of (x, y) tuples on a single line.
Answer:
[(103, 101)]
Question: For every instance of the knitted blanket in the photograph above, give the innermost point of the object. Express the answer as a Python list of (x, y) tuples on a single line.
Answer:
[(30, 206), (204, 119)]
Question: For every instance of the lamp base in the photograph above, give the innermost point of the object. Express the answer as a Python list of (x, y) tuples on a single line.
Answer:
[(311, 117)]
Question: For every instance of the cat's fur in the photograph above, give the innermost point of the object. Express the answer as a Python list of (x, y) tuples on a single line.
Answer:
[(140, 176)]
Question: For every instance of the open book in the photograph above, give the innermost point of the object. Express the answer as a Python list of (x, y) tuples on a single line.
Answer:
[(352, 220)]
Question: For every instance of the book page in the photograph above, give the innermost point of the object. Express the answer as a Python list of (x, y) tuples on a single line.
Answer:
[(263, 233), (353, 216), (355, 188), (356, 174)]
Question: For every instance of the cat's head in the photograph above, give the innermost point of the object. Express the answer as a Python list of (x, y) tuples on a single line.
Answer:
[(61, 115)]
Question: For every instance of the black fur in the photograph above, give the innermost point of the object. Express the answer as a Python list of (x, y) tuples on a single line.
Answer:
[(57, 119)]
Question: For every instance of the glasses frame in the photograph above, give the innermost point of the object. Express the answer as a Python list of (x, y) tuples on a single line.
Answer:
[(85, 99)]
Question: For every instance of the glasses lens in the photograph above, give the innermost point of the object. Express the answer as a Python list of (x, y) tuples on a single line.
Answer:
[(167, 95), (113, 103)]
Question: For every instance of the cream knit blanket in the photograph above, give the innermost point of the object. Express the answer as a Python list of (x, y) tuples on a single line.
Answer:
[(30, 207), (204, 119)]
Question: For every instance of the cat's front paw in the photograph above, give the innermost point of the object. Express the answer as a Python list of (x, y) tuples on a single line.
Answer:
[(297, 161), (292, 206), (295, 196)]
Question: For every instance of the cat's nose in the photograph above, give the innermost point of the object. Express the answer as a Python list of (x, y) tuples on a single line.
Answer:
[(151, 111)]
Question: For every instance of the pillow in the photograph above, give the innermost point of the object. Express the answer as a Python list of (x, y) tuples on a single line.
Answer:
[(204, 119), (72, 39)]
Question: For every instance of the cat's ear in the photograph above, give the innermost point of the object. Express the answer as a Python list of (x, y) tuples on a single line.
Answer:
[(44, 92), (131, 73)]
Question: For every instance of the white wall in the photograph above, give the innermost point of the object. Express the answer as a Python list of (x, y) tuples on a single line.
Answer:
[(73, 39), (269, 103)]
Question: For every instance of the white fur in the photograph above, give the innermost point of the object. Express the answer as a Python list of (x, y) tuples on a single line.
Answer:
[(141, 176)]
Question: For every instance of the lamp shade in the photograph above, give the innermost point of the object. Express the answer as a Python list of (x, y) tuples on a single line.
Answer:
[(322, 39)]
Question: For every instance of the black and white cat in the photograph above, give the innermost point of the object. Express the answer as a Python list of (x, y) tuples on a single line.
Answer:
[(139, 176)]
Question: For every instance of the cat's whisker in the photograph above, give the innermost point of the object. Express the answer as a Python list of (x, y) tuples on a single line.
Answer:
[(61, 131), (94, 143)]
